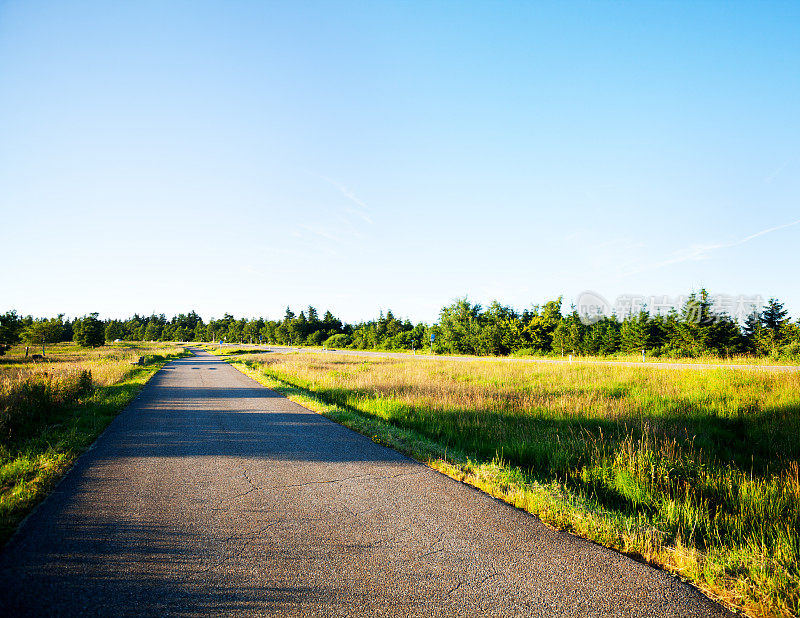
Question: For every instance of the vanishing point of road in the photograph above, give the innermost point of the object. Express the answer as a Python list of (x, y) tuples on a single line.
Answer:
[(211, 494)]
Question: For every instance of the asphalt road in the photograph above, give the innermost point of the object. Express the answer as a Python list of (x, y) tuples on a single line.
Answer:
[(211, 494), (508, 359)]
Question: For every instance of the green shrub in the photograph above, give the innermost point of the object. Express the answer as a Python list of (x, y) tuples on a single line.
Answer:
[(316, 338), (31, 401), (791, 351), (337, 341)]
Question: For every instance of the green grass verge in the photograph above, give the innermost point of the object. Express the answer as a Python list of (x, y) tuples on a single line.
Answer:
[(31, 468)]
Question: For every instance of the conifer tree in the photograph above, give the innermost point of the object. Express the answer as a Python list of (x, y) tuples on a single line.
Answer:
[(89, 332)]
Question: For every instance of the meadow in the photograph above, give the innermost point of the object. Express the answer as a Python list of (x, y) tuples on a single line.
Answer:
[(695, 471), (526, 354), (52, 410)]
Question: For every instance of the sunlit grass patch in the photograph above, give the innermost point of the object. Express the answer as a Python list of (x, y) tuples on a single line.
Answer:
[(693, 470), (51, 411)]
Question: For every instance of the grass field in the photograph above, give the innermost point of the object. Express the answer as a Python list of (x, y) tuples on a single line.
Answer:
[(692, 470), (523, 355), (51, 411)]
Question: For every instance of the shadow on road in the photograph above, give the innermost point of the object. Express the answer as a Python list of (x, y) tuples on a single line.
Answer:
[(128, 565), (110, 555), (229, 418)]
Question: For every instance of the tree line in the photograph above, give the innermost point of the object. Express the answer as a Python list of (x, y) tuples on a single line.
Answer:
[(691, 331), (462, 328)]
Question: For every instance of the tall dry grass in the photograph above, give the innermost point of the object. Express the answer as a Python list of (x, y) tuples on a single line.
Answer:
[(51, 411), (32, 392), (694, 470)]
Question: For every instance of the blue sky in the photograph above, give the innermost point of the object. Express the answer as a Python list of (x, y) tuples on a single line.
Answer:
[(242, 156)]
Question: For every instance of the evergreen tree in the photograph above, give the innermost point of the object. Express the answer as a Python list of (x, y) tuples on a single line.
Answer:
[(774, 322), (10, 327), (500, 331), (695, 319), (89, 332), (752, 325), (635, 333), (568, 335), (773, 317), (299, 328), (114, 330), (460, 325), (724, 337), (332, 325), (200, 332), (152, 331), (282, 333), (541, 326), (611, 336), (251, 330), (44, 331)]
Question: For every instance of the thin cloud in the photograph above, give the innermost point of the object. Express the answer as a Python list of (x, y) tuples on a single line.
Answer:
[(319, 240), (340, 226), (359, 213), (698, 252), (322, 232), (763, 232), (362, 209), (778, 171)]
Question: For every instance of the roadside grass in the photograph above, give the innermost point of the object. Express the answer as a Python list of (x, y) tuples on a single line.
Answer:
[(50, 412), (231, 350), (693, 471)]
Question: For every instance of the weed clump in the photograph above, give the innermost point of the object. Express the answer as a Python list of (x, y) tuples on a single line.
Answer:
[(31, 401)]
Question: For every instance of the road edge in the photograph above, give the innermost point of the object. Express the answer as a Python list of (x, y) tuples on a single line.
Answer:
[(545, 503)]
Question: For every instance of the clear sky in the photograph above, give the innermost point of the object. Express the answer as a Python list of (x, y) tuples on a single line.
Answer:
[(358, 156)]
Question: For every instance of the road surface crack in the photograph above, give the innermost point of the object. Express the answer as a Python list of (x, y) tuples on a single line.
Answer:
[(341, 480), (487, 578), (347, 478), (434, 549), (253, 487), (477, 584), (456, 587), (233, 553)]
